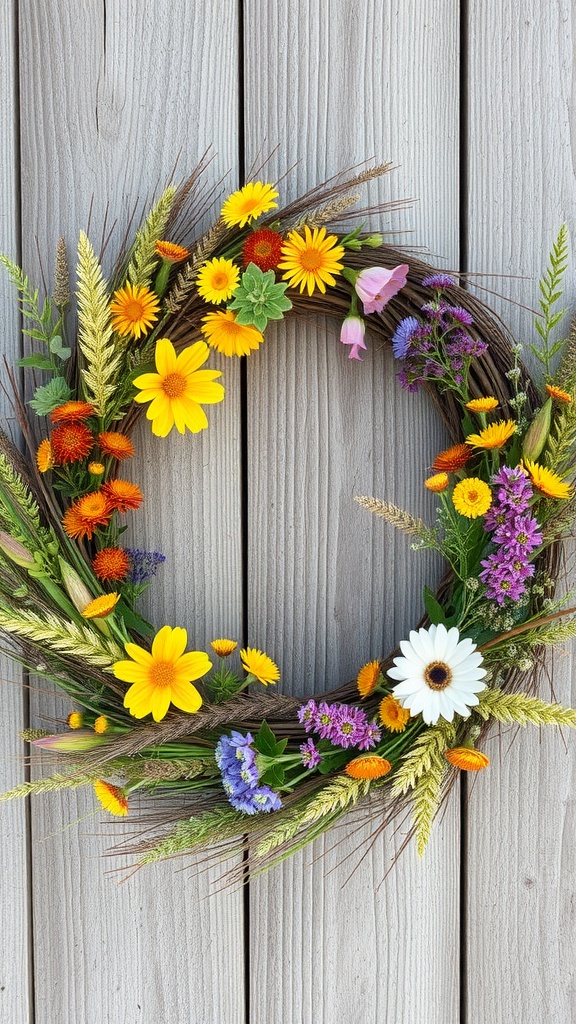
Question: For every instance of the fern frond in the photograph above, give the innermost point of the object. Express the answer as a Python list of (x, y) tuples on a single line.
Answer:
[(95, 330), (565, 376), (561, 440), (550, 293), (522, 709), (143, 258)]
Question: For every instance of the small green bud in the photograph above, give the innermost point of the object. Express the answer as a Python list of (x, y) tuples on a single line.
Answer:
[(16, 552), (537, 434)]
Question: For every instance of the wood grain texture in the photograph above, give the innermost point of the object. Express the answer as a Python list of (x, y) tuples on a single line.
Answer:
[(15, 953), (329, 588), (522, 881), (121, 90)]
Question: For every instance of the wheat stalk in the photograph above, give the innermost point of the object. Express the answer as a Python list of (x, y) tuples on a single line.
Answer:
[(95, 334), (428, 748), (522, 709), (144, 257), (401, 520), (62, 636)]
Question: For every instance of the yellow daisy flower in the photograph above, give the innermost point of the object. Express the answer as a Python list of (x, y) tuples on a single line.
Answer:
[(368, 766), (163, 676), (392, 715), (259, 665), (217, 279), (482, 404), (223, 648), (226, 335), (101, 606), (178, 387), (546, 481), (472, 497), (493, 436), (467, 759), (367, 678), (311, 260), (75, 720), (101, 725), (437, 483), (559, 394), (45, 456), (134, 309), (248, 203), (112, 798)]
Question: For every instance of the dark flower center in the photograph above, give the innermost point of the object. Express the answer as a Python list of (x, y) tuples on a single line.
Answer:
[(437, 675)]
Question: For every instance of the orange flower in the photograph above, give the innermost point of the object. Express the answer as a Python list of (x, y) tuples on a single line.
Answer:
[(171, 251), (467, 759), (122, 495), (223, 648), (87, 513), (101, 606), (117, 445), (452, 458), (558, 394), (44, 456), (134, 309), (101, 725), (71, 442), (392, 715), (368, 766), (264, 248), (72, 411), (437, 483), (75, 720), (112, 798), (486, 404), (111, 564), (494, 436), (367, 678)]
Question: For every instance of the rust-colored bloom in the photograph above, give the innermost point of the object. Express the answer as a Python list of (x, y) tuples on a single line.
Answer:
[(264, 248), (123, 495), (467, 759), (367, 678), (45, 456), (392, 715), (223, 648), (71, 442), (171, 251), (452, 459), (86, 514), (101, 606), (112, 798), (72, 411), (115, 444), (558, 394), (368, 766), (111, 564), (437, 483)]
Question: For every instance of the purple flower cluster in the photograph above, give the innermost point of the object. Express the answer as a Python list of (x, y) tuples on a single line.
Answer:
[(516, 535), (439, 346), (143, 564), (343, 724), (311, 756), (236, 759)]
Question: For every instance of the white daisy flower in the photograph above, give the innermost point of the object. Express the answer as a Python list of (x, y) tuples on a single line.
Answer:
[(439, 674)]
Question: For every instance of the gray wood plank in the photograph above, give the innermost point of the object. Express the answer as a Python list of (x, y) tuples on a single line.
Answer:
[(329, 588), (120, 90), (14, 880), (521, 930)]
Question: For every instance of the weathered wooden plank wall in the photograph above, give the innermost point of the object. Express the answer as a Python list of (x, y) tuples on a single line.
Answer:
[(467, 105)]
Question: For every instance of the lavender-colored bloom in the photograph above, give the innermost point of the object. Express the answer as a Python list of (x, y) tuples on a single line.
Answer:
[(349, 727), (403, 335), (311, 757), (236, 759), (460, 314), (143, 564), (521, 534), (325, 719), (372, 736), (438, 281), (307, 715)]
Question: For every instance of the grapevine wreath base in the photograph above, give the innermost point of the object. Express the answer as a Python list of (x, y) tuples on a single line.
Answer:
[(254, 769)]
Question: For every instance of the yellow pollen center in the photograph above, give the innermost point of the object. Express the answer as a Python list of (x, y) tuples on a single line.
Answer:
[(263, 249), (133, 310), (220, 280), (162, 673), (174, 385), (437, 675), (472, 496), (311, 259)]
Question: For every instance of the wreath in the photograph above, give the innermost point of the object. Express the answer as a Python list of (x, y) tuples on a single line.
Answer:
[(258, 770)]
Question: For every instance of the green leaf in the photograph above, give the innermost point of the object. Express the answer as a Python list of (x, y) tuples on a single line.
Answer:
[(37, 361), (50, 395), (265, 740), (433, 607), (134, 621), (274, 776)]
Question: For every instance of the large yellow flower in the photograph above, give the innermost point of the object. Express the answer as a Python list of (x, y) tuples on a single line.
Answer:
[(177, 389), (493, 436), (226, 335), (217, 279), (472, 497), (546, 481), (248, 203), (134, 309), (311, 260), (163, 676)]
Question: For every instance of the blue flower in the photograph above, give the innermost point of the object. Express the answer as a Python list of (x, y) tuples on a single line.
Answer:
[(236, 759), (403, 336), (143, 564)]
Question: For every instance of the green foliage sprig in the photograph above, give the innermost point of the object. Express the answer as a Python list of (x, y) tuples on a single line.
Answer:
[(551, 292)]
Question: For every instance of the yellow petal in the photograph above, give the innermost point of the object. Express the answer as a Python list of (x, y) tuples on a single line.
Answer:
[(186, 697), (130, 672), (165, 357), (138, 654), (160, 702), (193, 665), (148, 380), (192, 357)]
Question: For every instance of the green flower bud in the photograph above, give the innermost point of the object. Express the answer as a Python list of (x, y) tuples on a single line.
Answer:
[(16, 552), (537, 434)]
